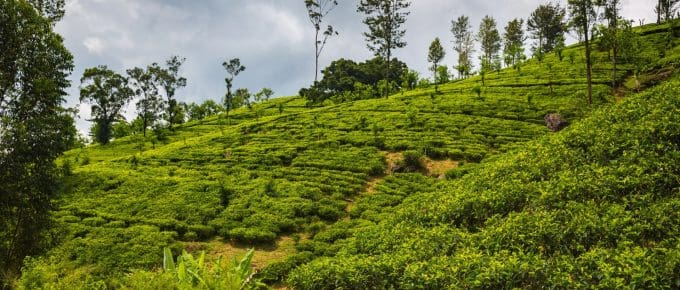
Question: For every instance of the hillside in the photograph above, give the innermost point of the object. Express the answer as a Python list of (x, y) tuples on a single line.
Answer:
[(486, 206)]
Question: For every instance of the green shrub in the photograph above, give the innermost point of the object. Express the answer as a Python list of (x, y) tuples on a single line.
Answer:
[(203, 232), (412, 160), (94, 221), (252, 235)]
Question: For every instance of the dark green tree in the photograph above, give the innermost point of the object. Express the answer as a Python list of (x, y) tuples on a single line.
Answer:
[(34, 130), (547, 25), (242, 98), (168, 81), (385, 19), (317, 10), (435, 55), (665, 10), (463, 44), (234, 68), (583, 17), (513, 42), (264, 95), (489, 39), (149, 102), (346, 76), (611, 37), (52, 10), (107, 92)]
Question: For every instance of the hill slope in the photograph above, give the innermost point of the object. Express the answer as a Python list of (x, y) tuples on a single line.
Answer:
[(594, 206), (299, 182)]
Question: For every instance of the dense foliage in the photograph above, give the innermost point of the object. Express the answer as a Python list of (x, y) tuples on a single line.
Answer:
[(345, 80), (34, 129), (367, 177), (595, 206)]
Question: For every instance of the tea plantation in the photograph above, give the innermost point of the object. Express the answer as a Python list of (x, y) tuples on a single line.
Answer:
[(459, 185)]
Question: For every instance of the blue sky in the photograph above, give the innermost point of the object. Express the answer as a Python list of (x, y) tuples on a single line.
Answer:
[(273, 38)]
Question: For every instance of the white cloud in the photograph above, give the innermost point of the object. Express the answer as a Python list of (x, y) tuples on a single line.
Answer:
[(94, 45)]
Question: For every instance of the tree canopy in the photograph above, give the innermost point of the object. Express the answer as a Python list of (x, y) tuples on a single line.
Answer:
[(34, 128)]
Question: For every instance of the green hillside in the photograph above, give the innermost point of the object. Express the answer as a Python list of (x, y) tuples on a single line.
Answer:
[(438, 187)]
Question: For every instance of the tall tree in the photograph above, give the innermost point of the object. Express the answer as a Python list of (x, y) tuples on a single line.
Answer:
[(489, 39), (234, 68), (107, 92), (169, 80), (514, 42), (463, 44), (34, 129), (149, 104), (52, 10), (583, 17), (435, 55), (547, 26), (317, 10), (385, 19), (611, 35), (665, 10)]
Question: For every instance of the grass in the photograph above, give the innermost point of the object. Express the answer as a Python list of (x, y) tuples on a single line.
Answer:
[(327, 173)]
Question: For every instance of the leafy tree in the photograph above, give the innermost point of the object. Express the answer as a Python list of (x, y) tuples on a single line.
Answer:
[(443, 75), (198, 112), (583, 17), (264, 95), (436, 55), (107, 92), (52, 10), (611, 37), (234, 68), (559, 47), (343, 75), (317, 10), (242, 98), (547, 25), (463, 44), (514, 42), (665, 10), (384, 19), (34, 129), (149, 104), (489, 39), (409, 79), (169, 80)]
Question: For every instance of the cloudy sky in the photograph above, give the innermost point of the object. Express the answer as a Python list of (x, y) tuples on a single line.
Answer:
[(273, 38)]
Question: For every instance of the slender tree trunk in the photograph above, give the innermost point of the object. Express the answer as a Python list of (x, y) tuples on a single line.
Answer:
[(145, 123), (615, 31), (658, 12), (316, 55), (387, 73), (589, 72)]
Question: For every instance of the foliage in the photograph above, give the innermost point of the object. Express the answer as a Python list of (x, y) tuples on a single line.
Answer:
[(169, 80), (514, 42), (194, 273), (34, 127), (579, 209), (435, 55), (346, 80), (317, 10), (325, 177), (547, 26), (385, 19), (234, 68), (149, 104), (489, 39), (108, 93), (463, 44)]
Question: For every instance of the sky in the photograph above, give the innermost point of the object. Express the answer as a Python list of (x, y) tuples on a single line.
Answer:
[(273, 38)]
